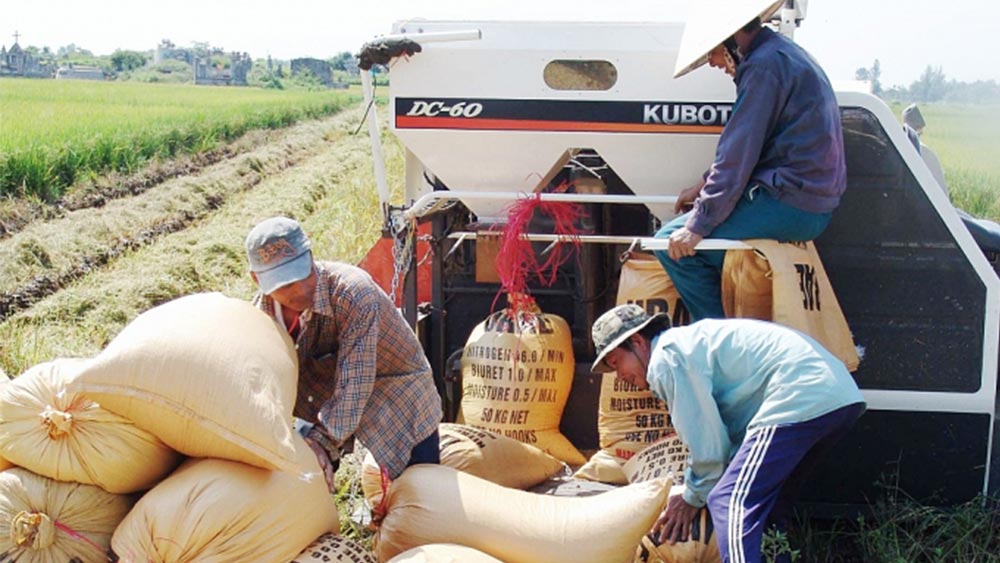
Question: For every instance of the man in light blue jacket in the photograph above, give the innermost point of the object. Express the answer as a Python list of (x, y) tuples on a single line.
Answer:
[(756, 403)]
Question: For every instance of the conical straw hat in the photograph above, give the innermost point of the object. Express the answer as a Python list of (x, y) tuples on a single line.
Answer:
[(710, 22)]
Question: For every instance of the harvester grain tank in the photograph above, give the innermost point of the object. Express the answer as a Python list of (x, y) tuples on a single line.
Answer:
[(490, 112)]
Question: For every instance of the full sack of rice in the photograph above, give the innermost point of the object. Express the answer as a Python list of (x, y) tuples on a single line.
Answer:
[(700, 547), (433, 504), (331, 548), (478, 452), (229, 512), (208, 375), (517, 372), (63, 435), (4, 462), (46, 521), (443, 553), (665, 459), (630, 419)]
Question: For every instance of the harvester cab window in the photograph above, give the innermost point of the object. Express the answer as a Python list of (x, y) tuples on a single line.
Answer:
[(580, 75)]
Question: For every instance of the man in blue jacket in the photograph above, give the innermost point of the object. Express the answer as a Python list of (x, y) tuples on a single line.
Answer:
[(779, 167), (757, 404)]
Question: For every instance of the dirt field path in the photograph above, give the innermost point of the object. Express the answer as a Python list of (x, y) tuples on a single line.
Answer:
[(68, 284)]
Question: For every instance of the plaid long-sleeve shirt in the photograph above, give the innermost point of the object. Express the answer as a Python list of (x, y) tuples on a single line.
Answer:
[(362, 371)]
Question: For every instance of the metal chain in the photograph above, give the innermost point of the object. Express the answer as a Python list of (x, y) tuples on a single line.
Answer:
[(403, 246)]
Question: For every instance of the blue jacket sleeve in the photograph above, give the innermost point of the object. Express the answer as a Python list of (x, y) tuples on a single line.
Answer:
[(755, 113), (686, 386)]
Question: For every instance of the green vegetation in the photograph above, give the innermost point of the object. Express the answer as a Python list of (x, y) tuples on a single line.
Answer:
[(967, 140), (897, 529), (56, 132), (169, 71)]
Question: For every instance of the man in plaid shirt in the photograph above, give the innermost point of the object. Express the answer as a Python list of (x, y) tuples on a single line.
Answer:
[(362, 371)]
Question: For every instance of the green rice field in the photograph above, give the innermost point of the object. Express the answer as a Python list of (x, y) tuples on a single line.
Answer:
[(53, 133), (966, 138)]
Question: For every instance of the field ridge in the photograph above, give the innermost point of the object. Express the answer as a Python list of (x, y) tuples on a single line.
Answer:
[(39, 260)]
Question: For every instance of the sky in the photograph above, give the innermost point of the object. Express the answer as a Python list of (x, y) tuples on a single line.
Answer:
[(904, 35)]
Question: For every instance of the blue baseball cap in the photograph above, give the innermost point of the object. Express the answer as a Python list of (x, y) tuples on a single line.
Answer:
[(279, 253)]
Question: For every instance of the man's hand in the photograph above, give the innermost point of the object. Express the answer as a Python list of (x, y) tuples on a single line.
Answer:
[(674, 524), (329, 461), (682, 243), (686, 200)]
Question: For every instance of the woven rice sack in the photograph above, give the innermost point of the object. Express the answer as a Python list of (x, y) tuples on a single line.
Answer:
[(443, 553), (630, 419), (4, 463), (603, 467), (499, 460), (221, 511), (787, 283), (62, 435), (701, 546), (208, 375), (46, 521), (331, 548), (517, 371), (434, 504), (665, 459)]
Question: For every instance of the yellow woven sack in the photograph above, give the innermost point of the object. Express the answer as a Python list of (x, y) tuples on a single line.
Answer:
[(208, 375), (701, 546), (434, 504), (517, 371), (4, 463), (604, 468), (62, 435), (665, 459), (478, 452), (331, 548), (46, 521), (643, 281), (786, 283), (443, 553), (219, 511), (629, 419)]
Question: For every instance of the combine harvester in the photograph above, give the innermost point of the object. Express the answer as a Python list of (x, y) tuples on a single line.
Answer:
[(490, 112)]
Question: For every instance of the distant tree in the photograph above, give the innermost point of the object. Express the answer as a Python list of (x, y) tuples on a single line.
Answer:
[(220, 61), (262, 75), (340, 61), (306, 80), (202, 50), (931, 86), (123, 61), (71, 51), (64, 51), (978, 92), (170, 70), (876, 74), (871, 75)]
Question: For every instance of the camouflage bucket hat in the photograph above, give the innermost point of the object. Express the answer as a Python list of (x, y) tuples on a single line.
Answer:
[(614, 327)]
